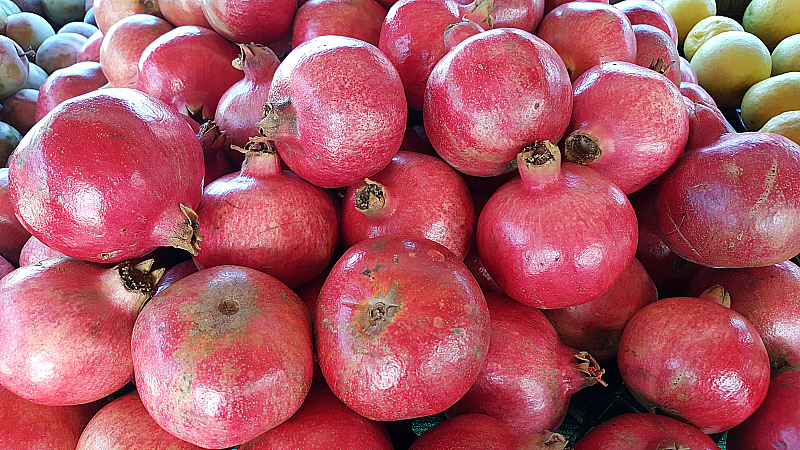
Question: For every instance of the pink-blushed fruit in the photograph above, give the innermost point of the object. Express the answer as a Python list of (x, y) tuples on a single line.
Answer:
[(707, 125), (183, 12), (34, 251), (14, 234), (243, 22), (360, 19), (90, 51), (696, 93), (471, 431), (656, 50), (648, 12), (124, 44), (109, 12), (639, 431), (69, 82), (687, 71)]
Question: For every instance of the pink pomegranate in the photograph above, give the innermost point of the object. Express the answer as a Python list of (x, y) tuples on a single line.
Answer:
[(183, 12), (478, 120), (713, 377), (732, 203), (215, 145), (456, 33), (20, 110), (472, 431), (260, 22), (90, 51), (586, 34), (648, 12), (34, 251), (776, 423), (687, 71), (707, 125), (67, 327), (125, 424), (189, 68), (522, 14), (80, 212), (596, 326), (267, 219), (5, 267), (124, 44), (645, 431), (628, 123), (67, 83), (192, 343), (323, 422), (360, 19), (529, 393), (696, 93), (322, 85), (767, 298), (415, 195), (175, 273), (27, 425), (656, 50), (401, 328), (557, 236), (14, 234), (109, 12)]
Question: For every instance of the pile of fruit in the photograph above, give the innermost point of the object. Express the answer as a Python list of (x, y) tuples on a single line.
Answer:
[(296, 224)]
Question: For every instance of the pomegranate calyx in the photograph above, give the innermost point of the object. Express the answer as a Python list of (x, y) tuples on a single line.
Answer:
[(212, 138), (151, 7), (546, 440), (591, 369), (659, 66), (539, 153), (371, 197), (671, 444), (717, 294), (276, 116), (187, 233), (582, 149), (539, 164), (480, 12), (379, 311)]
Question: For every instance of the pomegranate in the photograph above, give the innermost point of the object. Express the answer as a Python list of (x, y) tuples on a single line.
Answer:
[(360, 19), (475, 265), (645, 431), (617, 129), (415, 195), (90, 51), (687, 71), (13, 233), (549, 5), (69, 82), (456, 33), (478, 120), (109, 12), (268, 220), (767, 298), (734, 202), (81, 212), (242, 105), (261, 22), (657, 51), (67, 327), (776, 423), (472, 431), (323, 422), (20, 109), (215, 145), (125, 423), (713, 377), (192, 343), (530, 391), (586, 34), (522, 14), (696, 93), (707, 125), (175, 273), (596, 326), (27, 425), (647, 12), (336, 111), (183, 12), (401, 328), (189, 68), (34, 251), (124, 44), (557, 236), (5, 267)]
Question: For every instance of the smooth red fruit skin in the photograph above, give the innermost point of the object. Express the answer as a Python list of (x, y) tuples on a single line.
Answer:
[(473, 431), (401, 328), (707, 125), (596, 326), (82, 185), (529, 374), (124, 44), (733, 203), (638, 431), (324, 423), (67, 83), (29, 426), (262, 22), (776, 424), (175, 273), (91, 49), (360, 19), (653, 43), (189, 68), (14, 235), (493, 94), (768, 298), (125, 424), (549, 5), (635, 116), (648, 12), (338, 112), (586, 34), (521, 14), (423, 197), (109, 12), (183, 12), (687, 71), (5, 267), (34, 251), (223, 355), (713, 377), (66, 327), (696, 93)]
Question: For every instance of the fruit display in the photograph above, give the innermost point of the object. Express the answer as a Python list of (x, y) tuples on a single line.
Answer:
[(399, 224)]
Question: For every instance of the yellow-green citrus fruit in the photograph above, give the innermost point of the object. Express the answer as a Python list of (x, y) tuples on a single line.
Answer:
[(766, 99), (705, 30), (786, 56), (772, 20), (729, 63), (786, 124), (686, 14)]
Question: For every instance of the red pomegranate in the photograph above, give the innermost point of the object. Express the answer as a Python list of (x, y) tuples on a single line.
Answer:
[(478, 120), (67, 327), (5, 267), (529, 375), (183, 12), (267, 219), (360, 19), (415, 195), (707, 125), (767, 297), (733, 203), (559, 235), (223, 355), (69, 82), (628, 123), (596, 326), (109, 12), (14, 234), (776, 424), (645, 431), (521, 14), (656, 50), (90, 51), (90, 203), (336, 111), (713, 377), (472, 431), (125, 424), (401, 328), (20, 110), (323, 422), (647, 12), (178, 271), (549, 5), (124, 44), (687, 71), (696, 94), (242, 22), (34, 251)]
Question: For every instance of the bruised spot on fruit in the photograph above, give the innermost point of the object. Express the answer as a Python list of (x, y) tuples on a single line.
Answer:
[(377, 313), (371, 273), (581, 149), (224, 310)]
